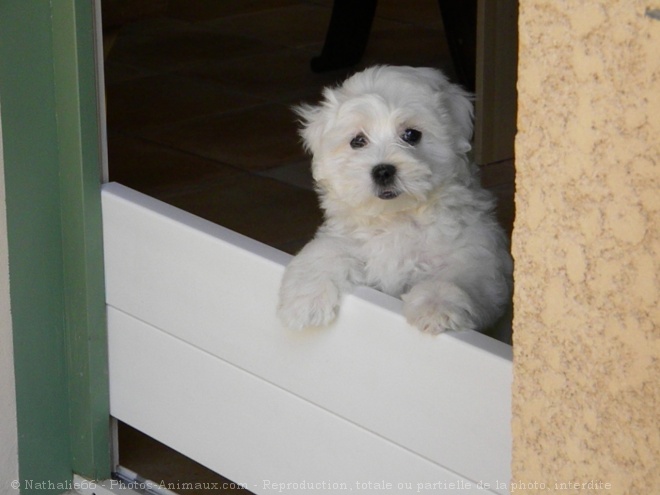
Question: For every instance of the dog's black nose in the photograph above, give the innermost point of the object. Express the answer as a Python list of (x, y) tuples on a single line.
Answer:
[(383, 174)]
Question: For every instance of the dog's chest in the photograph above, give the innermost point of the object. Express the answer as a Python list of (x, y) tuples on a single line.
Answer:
[(394, 259)]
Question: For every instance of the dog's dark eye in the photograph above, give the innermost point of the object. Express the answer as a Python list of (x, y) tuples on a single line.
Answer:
[(411, 136), (359, 141)]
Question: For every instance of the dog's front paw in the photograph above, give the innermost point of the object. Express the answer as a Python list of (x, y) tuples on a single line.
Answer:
[(435, 319), (302, 307), (435, 312)]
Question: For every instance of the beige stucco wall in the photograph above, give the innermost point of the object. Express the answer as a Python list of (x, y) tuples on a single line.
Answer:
[(586, 394)]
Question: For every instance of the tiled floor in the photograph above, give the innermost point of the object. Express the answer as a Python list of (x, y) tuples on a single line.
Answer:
[(198, 112)]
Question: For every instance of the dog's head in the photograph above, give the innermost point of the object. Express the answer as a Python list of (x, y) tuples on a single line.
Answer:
[(387, 137)]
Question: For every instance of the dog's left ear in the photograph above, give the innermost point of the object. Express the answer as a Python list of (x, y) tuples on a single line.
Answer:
[(461, 110), (458, 103)]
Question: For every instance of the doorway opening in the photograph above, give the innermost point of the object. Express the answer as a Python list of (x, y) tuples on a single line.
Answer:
[(198, 97)]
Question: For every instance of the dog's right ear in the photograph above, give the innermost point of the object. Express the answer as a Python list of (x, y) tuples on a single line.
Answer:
[(310, 125), (314, 120)]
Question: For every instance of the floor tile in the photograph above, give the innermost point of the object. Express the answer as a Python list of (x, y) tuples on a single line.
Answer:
[(403, 44), (167, 45), (160, 171), (158, 463), (293, 26), (261, 208), (169, 98), (423, 13), (205, 10), (115, 72), (255, 139), (277, 76), (295, 174)]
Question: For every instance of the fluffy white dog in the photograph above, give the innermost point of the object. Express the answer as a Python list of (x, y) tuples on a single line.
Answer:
[(404, 209)]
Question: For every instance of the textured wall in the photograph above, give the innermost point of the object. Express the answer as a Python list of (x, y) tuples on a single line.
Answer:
[(586, 395)]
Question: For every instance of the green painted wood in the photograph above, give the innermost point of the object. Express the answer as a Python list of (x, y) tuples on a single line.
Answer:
[(34, 241), (79, 157), (50, 140)]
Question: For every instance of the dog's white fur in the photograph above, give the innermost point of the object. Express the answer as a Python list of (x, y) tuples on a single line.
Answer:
[(433, 240)]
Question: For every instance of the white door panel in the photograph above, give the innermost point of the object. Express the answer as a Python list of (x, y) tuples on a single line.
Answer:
[(243, 427), (200, 362)]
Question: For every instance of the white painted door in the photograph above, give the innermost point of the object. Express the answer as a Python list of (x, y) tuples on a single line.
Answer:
[(199, 361)]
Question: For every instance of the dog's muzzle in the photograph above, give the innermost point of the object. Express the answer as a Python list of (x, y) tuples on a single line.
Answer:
[(384, 177)]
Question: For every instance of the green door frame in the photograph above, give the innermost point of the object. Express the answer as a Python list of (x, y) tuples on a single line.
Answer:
[(50, 128)]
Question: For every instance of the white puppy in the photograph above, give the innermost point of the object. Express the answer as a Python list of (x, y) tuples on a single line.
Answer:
[(404, 210)]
